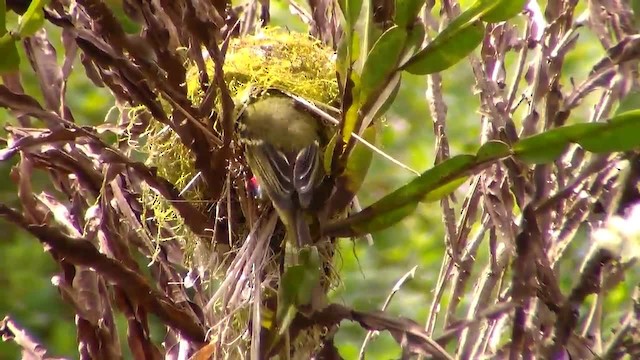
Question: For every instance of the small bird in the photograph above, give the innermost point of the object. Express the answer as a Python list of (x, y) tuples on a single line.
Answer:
[(283, 147)]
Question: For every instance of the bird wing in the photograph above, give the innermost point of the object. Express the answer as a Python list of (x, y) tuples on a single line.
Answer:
[(306, 171), (279, 186)]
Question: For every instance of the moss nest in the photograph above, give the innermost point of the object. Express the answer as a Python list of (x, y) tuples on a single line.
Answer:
[(274, 58)]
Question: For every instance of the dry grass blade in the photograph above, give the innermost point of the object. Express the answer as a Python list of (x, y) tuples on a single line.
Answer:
[(396, 287)]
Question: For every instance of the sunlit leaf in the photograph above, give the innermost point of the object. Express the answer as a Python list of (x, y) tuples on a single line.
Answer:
[(630, 102), (382, 61), (407, 11), (349, 123), (444, 190), (33, 18), (492, 150), (433, 184), (548, 146), (447, 49), (296, 286), (3, 18), (359, 161), (620, 133), (328, 154), (10, 60), (504, 10), (351, 11)]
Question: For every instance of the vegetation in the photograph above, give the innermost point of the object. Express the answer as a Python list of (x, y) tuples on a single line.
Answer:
[(514, 237)]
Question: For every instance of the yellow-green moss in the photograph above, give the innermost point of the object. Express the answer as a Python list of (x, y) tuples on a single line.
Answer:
[(276, 58)]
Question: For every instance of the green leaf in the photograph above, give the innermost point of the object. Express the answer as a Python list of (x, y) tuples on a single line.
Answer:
[(359, 161), (620, 133), (447, 49), (328, 154), (444, 190), (345, 53), (407, 11), (381, 62), (433, 184), (383, 221), (351, 11), (386, 98), (414, 41), (3, 18), (429, 180), (10, 60), (349, 122), (457, 40), (297, 284), (377, 82), (129, 25), (492, 150), (548, 146), (504, 10), (635, 6), (631, 101), (33, 18)]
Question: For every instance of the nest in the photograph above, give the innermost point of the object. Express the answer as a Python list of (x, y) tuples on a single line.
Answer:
[(271, 59)]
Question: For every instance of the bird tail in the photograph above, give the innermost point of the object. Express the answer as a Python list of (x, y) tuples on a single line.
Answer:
[(299, 229)]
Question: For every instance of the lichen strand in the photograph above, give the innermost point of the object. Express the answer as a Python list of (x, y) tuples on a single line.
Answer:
[(175, 163)]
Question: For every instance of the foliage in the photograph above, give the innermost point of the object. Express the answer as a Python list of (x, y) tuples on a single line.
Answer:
[(548, 187)]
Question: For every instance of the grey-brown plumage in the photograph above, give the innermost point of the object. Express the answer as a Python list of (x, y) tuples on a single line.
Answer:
[(282, 148)]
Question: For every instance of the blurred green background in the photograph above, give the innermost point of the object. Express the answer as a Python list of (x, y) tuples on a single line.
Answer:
[(368, 273)]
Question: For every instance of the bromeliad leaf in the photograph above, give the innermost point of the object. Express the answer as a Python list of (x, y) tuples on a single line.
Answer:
[(296, 287), (460, 37), (349, 182), (10, 60), (381, 62), (33, 18), (629, 102), (447, 49), (616, 135), (504, 10), (414, 42), (377, 223), (3, 18), (407, 11), (351, 11), (491, 151), (546, 147), (620, 133), (433, 184)]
